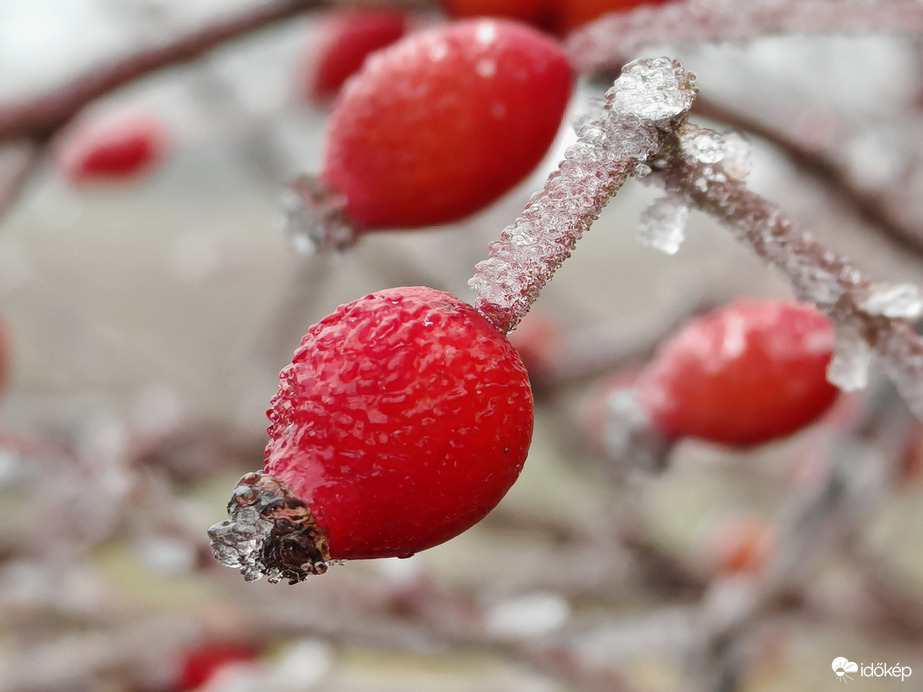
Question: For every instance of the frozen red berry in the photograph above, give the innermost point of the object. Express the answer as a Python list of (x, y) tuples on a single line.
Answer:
[(340, 42), (198, 665), (569, 14), (750, 372), (443, 122), (533, 12), (402, 420), (114, 146)]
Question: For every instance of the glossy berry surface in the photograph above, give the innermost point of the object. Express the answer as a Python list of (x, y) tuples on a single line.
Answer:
[(567, 15), (340, 43), (443, 122), (750, 372), (117, 146), (403, 419)]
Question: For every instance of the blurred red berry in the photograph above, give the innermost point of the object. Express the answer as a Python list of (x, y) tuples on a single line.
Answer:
[(741, 545), (567, 15), (340, 42), (402, 420), (114, 146), (198, 665), (533, 12), (443, 122), (750, 372)]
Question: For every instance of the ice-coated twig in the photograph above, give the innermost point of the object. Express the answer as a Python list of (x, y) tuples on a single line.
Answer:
[(605, 43), (647, 102), (871, 319), (18, 161)]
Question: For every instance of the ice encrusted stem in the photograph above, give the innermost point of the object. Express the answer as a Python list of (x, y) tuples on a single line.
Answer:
[(640, 112), (605, 43), (872, 319)]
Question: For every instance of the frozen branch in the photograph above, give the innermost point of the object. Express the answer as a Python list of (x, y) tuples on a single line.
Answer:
[(41, 116), (875, 206), (650, 98), (18, 161), (607, 42), (871, 319)]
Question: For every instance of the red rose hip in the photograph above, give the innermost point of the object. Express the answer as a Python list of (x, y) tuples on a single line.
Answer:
[(443, 122), (750, 372), (115, 146), (341, 41), (402, 420)]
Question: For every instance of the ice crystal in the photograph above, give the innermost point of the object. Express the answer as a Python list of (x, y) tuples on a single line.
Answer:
[(663, 224), (269, 532), (613, 142), (852, 358), (238, 541), (893, 300), (312, 217)]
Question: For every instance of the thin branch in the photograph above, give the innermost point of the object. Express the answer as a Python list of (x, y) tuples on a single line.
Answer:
[(40, 116), (18, 161), (870, 206), (869, 316), (609, 41)]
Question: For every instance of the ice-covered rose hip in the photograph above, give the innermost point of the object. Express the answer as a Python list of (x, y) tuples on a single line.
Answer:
[(402, 420), (750, 372), (438, 125)]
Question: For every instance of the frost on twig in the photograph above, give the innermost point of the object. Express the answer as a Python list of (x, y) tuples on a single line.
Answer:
[(604, 44), (650, 98), (313, 219), (872, 319)]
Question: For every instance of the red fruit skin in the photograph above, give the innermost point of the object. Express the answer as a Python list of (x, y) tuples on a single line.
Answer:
[(567, 15), (750, 372), (403, 419), (533, 12), (340, 44), (198, 665), (445, 121), (117, 146)]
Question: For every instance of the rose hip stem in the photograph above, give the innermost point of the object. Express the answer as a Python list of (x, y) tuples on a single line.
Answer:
[(642, 110)]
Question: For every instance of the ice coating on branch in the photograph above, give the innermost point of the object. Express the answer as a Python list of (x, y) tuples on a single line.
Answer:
[(655, 89), (312, 217), (852, 358), (871, 318), (613, 143), (893, 300), (663, 224)]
